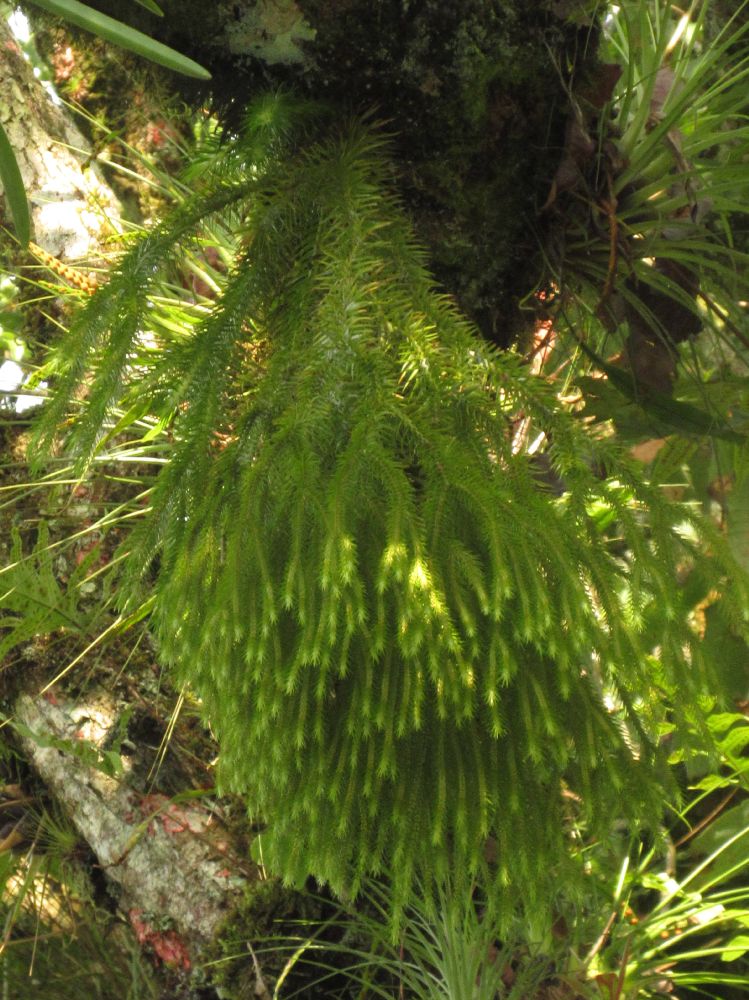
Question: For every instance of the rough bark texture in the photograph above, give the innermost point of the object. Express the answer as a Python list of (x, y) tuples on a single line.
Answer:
[(164, 860), (73, 208)]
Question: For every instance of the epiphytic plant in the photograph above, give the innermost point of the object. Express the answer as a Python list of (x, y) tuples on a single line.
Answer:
[(413, 653)]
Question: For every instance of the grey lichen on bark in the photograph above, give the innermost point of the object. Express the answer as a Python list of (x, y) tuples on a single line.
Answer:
[(272, 30)]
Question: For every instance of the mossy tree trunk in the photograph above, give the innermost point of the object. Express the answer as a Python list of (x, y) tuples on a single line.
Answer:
[(73, 209), (474, 95)]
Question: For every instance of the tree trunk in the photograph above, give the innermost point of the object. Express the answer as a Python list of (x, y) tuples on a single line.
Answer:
[(474, 96), (73, 209), (166, 860)]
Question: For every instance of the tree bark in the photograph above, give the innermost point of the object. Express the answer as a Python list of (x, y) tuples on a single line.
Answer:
[(165, 860), (73, 209)]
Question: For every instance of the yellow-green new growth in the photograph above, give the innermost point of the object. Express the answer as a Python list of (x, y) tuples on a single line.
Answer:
[(401, 639)]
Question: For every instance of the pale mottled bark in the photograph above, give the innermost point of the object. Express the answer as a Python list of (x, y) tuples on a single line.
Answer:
[(163, 859), (73, 208)]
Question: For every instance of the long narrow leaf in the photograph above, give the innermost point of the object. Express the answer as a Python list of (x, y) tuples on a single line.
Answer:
[(152, 6), (122, 35), (15, 192)]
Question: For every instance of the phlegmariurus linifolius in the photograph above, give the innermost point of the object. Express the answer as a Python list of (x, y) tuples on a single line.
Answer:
[(74, 277)]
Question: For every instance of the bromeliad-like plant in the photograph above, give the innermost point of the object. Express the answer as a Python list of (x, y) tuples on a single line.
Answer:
[(681, 908), (643, 206), (447, 949), (414, 655)]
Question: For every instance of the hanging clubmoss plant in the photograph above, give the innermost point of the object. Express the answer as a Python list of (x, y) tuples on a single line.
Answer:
[(408, 647)]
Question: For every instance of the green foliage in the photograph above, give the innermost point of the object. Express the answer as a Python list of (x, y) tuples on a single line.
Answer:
[(109, 762), (645, 208), (407, 647), (59, 943), (272, 916), (447, 949), (32, 599), (684, 909), (120, 34), (57, 940), (13, 189), (62, 591)]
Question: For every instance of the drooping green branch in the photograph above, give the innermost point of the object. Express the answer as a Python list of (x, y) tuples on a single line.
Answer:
[(405, 643)]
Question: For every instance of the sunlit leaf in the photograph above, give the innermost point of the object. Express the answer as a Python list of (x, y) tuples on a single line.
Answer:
[(152, 6), (735, 948), (15, 193), (120, 34)]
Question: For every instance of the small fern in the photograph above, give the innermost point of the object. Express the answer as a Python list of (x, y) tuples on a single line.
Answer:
[(33, 601), (402, 640)]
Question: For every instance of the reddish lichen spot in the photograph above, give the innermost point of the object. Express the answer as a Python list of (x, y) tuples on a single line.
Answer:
[(167, 946)]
